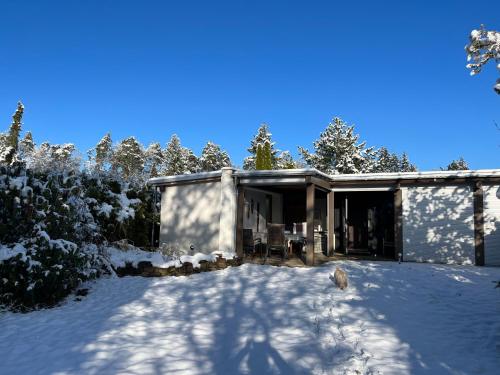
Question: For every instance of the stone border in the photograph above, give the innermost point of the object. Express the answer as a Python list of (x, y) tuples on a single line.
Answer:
[(146, 269)]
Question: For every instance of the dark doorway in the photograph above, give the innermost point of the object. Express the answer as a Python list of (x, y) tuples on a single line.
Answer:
[(364, 222)]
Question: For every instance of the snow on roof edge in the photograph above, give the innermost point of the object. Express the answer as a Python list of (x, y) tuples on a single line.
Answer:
[(479, 173)]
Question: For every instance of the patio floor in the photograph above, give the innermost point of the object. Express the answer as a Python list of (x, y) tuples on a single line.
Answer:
[(319, 259)]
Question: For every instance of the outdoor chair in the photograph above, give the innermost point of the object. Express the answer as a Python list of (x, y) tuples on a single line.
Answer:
[(276, 240), (250, 244)]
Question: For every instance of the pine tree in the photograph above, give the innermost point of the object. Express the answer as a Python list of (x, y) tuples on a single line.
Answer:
[(26, 146), (128, 159), (174, 157), (153, 160), (15, 127), (213, 158), (192, 161), (337, 151), (458, 165), (387, 161), (285, 161), (484, 46), (405, 165), (103, 152), (9, 142), (261, 137), (54, 159)]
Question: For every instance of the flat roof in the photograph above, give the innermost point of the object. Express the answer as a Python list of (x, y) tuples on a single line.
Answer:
[(480, 173), (360, 177)]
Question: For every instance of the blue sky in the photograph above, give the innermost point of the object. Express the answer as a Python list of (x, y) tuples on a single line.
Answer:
[(216, 70)]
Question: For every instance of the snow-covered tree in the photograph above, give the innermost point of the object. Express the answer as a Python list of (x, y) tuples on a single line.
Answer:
[(391, 162), (9, 142), (26, 146), (337, 150), (179, 159), (192, 161), (484, 46), (54, 159), (128, 159), (213, 158), (405, 165), (386, 161), (154, 160), (103, 152), (263, 135), (286, 161), (458, 165)]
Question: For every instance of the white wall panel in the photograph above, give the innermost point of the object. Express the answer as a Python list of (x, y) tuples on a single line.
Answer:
[(438, 224)]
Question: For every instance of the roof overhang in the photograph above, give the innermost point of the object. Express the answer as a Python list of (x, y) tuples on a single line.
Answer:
[(285, 177)]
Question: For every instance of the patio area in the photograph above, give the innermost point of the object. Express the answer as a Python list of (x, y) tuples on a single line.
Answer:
[(319, 259), (303, 221)]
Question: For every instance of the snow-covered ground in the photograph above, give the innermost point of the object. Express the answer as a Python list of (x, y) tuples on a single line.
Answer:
[(393, 319)]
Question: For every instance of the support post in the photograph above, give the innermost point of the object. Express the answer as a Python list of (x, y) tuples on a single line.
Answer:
[(345, 226), (398, 223), (330, 199), (228, 209), (310, 190), (479, 223), (240, 208), (155, 204)]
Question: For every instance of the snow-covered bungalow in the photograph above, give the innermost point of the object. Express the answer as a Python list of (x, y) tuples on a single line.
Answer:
[(444, 217)]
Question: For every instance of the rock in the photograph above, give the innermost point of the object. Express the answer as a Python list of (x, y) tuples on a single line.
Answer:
[(82, 292)]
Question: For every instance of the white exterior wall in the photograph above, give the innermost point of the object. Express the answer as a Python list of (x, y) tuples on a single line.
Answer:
[(438, 224), (491, 225), (190, 215)]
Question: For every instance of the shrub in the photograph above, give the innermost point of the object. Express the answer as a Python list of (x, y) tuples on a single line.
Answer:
[(44, 273)]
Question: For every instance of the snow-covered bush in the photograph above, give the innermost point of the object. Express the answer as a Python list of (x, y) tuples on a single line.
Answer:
[(43, 222), (42, 272), (120, 209), (171, 250)]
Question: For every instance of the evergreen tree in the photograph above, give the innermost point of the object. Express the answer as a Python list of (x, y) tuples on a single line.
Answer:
[(405, 165), (178, 159), (337, 151), (386, 161), (26, 146), (154, 160), (458, 165), (54, 159), (192, 161), (9, 142), (213, 158), (259, 157), (285, 161), (128, 159), (267, 156), (484, 46), (103, 152), (261, 137), (15, 127)]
